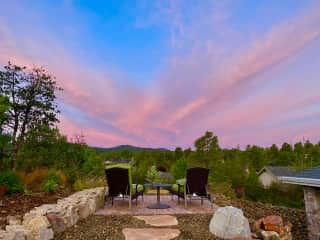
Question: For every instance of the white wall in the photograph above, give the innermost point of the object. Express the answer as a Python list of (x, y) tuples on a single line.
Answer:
[(267, 179)]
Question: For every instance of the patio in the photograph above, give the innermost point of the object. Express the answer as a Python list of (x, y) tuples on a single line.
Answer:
[(120, 207)]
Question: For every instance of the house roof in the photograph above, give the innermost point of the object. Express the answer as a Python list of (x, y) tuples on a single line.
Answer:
[(277, 171), (116, 160), (308, 177)]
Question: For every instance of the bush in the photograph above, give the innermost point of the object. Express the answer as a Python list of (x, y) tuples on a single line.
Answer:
[(179, 169), (224, 188), (33, 180), (12, 181), (153, 175), (86, 183), (50, 185)]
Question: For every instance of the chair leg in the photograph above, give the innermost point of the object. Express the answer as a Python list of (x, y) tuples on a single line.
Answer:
[(111, 201), (185, 200), (130, 202), (201, 200)]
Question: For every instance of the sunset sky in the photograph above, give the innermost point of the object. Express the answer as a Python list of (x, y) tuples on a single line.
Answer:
[(161, 73)]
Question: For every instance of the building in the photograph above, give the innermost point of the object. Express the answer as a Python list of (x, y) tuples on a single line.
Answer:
[(310, 180), (270, 174), (116, 161)]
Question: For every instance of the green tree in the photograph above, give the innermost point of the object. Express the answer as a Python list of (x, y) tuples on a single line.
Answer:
[(32, 101), (207, 148)]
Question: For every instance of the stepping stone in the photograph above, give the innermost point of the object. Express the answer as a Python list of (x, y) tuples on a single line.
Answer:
[(150, 233), (159, 220)]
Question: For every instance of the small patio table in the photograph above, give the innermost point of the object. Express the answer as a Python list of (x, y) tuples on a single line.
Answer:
[(158, 205)]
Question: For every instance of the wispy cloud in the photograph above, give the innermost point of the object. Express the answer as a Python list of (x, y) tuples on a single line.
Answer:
[(203, 86)]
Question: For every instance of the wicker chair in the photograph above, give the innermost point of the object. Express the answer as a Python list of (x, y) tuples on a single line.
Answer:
[(120, 184), (194, 186)]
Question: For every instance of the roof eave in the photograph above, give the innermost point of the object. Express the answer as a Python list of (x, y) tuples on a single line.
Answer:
[(301, 181)]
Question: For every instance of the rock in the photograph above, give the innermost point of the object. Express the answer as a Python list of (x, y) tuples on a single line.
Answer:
[(71, 216), (57, 222), (13, 220), (46, 234), (159, 220), (273, 223), (229, 222), (269, 235), (150, 233), (4, 235), (20, 232), (39, 228)]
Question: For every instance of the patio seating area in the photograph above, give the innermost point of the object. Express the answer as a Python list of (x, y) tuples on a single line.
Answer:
[(120, 207)]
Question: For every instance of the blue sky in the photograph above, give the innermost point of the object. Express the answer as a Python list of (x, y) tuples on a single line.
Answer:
[(160, 73)]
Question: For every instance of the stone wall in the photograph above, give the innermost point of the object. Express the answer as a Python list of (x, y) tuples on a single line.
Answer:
[(42, 222), (312, 202)]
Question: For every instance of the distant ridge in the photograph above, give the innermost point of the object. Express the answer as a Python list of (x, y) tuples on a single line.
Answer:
[(127, 147)]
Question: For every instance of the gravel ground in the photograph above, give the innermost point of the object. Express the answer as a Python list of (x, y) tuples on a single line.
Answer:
[(191, 226), (255, 210), (110, 227), (19, 204)]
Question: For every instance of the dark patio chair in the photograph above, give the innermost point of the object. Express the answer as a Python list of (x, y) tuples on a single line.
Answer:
[(194, 186), (120, 184)]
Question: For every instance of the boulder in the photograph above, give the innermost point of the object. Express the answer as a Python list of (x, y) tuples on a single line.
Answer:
[(273, 223), (14, 220), (269, 235), (57, 222), (19, 231), (4, 235), (229, 222), (39, 228)]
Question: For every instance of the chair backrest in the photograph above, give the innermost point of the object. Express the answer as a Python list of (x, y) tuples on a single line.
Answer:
[(118, 181), (197, 180)]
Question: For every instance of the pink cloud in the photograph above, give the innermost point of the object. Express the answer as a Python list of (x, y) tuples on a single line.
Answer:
[(199, 90)]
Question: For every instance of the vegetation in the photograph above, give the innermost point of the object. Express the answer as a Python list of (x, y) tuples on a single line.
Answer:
[(35, 156)]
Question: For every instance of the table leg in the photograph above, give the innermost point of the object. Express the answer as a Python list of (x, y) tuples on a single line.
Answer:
[(158, 195)]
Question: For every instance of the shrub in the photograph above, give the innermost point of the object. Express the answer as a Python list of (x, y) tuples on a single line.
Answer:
[(179, 169), (153, 175), (12, 181), (224, 188), (34, 179), (50, 185), (86, 182)]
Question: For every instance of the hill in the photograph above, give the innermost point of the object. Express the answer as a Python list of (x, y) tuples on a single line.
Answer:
[(127, 147)]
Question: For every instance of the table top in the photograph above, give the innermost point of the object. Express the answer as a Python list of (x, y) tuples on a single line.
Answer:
[(157, 184)]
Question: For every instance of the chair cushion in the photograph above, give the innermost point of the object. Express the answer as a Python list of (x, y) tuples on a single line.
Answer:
[(181, 181), (175, 188), (139, 188)]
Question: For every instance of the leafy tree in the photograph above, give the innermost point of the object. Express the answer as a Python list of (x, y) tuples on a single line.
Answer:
[(179, 168), (32, 101), (207, 148)]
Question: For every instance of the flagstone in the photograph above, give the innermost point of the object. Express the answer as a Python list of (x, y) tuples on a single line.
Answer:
[(150, 233), (159, 220)]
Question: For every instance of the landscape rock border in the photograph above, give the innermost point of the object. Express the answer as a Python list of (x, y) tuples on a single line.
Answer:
[(41, 223)]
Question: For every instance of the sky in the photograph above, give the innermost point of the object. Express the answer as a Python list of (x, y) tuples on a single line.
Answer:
[(161, 73)]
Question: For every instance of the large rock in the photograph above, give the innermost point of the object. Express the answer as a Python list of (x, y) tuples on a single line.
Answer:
[(39, 228), (57, 222), (273, 223), (229, 222), (19, 231), (4, 235), (14, 220), (269, 235)]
